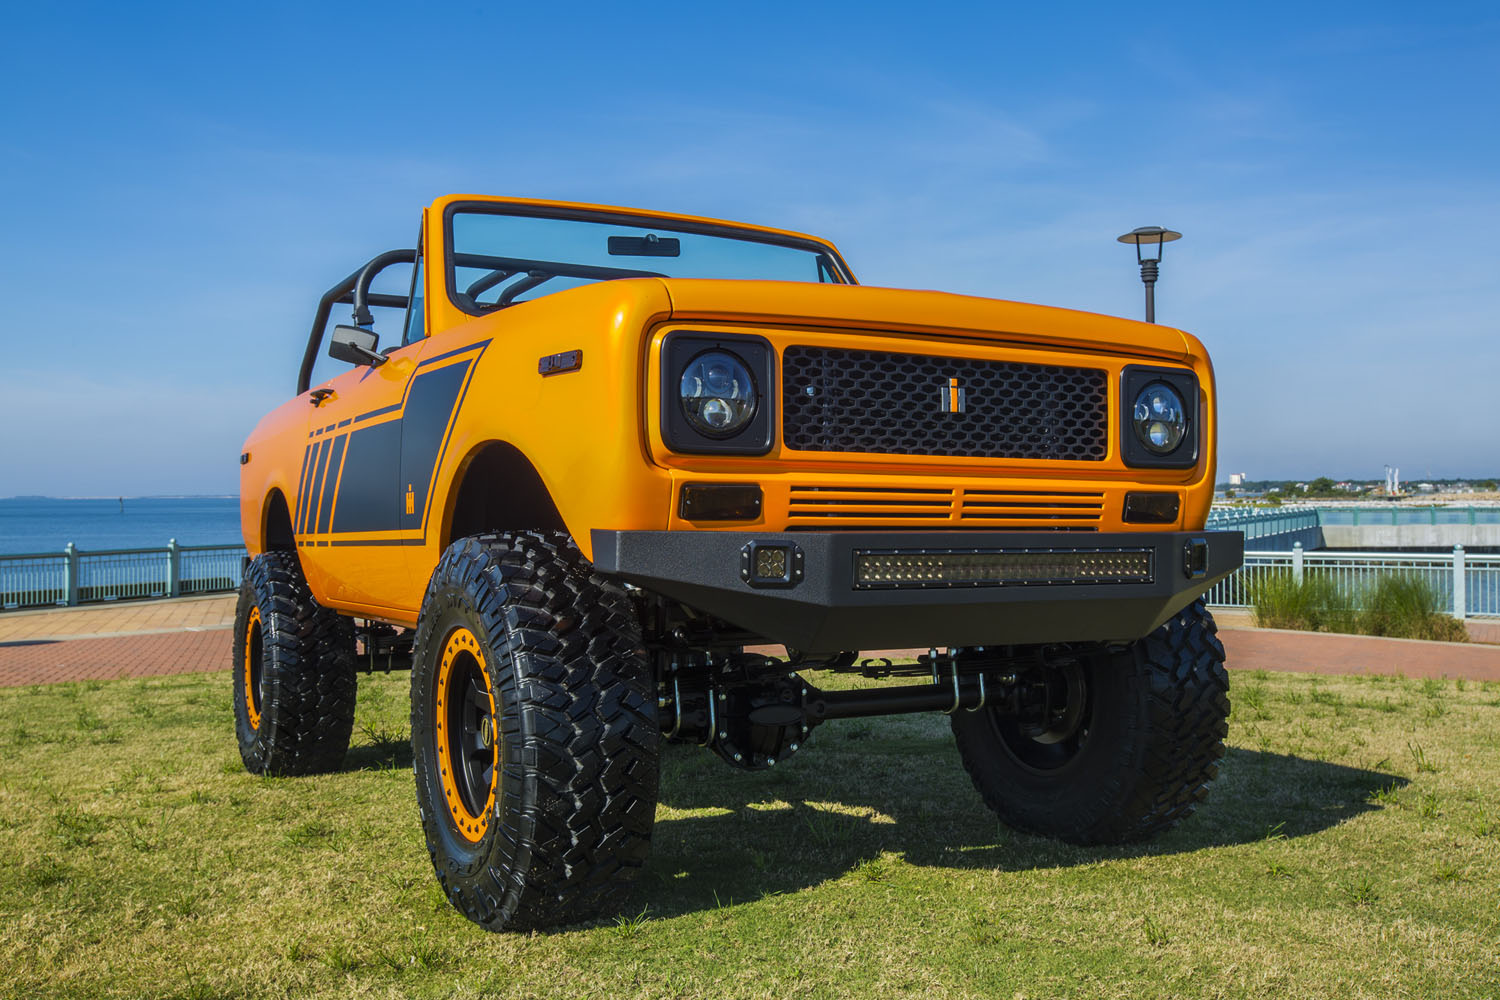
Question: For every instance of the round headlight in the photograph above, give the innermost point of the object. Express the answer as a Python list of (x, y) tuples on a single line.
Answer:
[(718, 394), (1160, 418)]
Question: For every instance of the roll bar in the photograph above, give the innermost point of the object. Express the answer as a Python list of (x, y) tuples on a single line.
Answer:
[(353, 290)]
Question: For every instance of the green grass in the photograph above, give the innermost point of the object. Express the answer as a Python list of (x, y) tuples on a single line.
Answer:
[(1399, 605), (1350, 848)]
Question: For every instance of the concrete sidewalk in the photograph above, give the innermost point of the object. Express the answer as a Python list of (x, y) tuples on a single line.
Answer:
[(187, 635), (118, 618)]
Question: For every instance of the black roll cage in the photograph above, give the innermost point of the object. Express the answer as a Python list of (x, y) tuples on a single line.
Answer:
[(353, 290)]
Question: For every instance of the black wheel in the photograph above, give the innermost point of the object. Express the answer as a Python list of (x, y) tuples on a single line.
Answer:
[(294, 683), (1130, 750), (534, 732)]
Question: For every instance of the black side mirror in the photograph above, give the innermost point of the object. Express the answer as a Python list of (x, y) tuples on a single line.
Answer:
[(356, 346)]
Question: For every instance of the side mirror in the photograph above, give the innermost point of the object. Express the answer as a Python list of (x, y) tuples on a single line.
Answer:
[(356, 346)]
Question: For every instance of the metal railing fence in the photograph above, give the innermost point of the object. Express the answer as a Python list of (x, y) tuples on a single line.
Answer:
[(32, 581), (1468, 585), (1398, 515), (72, 577), (1261, 523)]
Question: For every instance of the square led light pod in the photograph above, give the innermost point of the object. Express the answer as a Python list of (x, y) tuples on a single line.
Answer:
[(771, 564)]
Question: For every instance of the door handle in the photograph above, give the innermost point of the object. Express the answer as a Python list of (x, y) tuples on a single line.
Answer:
[(318, 395)]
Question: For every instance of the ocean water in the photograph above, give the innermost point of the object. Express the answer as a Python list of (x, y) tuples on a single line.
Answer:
[(46, 524)]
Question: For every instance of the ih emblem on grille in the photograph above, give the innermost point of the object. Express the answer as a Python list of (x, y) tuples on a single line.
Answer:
[(954, 397)]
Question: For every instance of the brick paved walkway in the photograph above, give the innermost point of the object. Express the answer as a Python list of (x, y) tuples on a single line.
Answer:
[(151, 638), (1328, 653), (43, 661)]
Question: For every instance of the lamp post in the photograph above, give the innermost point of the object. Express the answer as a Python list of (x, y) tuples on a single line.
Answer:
[(1149, 236)]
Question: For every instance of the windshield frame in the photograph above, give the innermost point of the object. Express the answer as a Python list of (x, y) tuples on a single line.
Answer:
[(696, 227)]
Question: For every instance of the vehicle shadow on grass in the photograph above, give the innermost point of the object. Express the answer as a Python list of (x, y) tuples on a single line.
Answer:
[(378, 750), (823, 815)]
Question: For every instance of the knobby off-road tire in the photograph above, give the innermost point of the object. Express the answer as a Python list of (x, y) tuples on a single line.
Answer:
[(294, 685), (534, 732), (1144, 750)]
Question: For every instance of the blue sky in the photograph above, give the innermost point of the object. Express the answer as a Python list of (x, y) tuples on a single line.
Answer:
[(182, 182)]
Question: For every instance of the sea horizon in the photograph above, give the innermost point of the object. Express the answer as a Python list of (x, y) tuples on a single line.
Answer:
[(37, 525)]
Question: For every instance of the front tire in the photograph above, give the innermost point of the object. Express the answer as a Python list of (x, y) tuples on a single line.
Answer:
[(1133, 759), (294, 684), (534, 732)]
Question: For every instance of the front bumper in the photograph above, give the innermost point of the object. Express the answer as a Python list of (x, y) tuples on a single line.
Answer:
[(825, 608)]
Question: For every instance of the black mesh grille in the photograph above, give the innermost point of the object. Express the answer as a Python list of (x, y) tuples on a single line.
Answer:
[(900, 404)]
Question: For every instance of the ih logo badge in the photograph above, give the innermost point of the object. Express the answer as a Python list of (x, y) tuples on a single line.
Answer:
[(954, 397), (411, 500)]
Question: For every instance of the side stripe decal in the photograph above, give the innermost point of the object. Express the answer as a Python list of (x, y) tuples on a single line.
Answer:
[(302, 485), (305, 501), (349, 482), (316, 493), (335, 461)]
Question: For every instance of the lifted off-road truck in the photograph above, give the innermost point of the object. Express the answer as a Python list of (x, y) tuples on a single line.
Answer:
[(620, 478)]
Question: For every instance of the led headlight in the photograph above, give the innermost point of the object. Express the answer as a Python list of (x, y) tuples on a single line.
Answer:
[(717, 394), (1160, 418)]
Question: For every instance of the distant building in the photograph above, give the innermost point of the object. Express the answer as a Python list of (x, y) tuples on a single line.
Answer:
[(1236, 479)]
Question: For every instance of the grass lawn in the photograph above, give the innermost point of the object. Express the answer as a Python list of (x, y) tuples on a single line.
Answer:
[(1350, 848)]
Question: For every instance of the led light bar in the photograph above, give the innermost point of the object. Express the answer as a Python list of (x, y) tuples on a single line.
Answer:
[(875, 569)]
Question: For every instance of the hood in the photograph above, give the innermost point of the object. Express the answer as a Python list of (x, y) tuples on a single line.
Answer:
[(938, 314)]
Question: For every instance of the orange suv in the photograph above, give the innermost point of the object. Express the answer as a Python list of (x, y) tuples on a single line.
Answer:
[(626, 478)]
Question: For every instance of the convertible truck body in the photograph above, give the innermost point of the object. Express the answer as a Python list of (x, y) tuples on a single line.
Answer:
[(372, 471), (595, 461)]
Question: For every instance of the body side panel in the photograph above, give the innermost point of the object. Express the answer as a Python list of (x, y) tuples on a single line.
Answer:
[(276, 460), (582, 430)]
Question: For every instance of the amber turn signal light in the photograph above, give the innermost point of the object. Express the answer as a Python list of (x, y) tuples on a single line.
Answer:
[(719, 502), (1151, 508)]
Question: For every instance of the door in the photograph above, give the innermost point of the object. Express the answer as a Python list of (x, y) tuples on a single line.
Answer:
[(351, 503), (350, 508)]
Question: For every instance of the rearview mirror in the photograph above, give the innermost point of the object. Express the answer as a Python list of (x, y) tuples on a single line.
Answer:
[(356, 345), (649, 245)]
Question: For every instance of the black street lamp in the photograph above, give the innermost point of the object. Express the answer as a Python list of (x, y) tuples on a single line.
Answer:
[(1149, 236)]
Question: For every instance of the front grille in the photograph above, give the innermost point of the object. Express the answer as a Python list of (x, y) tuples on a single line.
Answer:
[(824, 507), (837, 400)]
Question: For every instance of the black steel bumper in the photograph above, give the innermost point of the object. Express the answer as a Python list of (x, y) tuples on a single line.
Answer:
[(822, 608)]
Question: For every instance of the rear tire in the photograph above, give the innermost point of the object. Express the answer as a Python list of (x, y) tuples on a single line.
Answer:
[(1140, 754), (534, 732), (294, 685)]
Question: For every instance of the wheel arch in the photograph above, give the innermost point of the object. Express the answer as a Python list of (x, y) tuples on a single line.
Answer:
[(276, 523), (497, 488)]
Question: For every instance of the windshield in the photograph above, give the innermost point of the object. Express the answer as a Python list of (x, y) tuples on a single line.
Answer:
[(498, 259)]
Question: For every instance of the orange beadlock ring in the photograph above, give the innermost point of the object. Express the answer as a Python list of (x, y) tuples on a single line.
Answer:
[(252, 659), (461, 646)]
